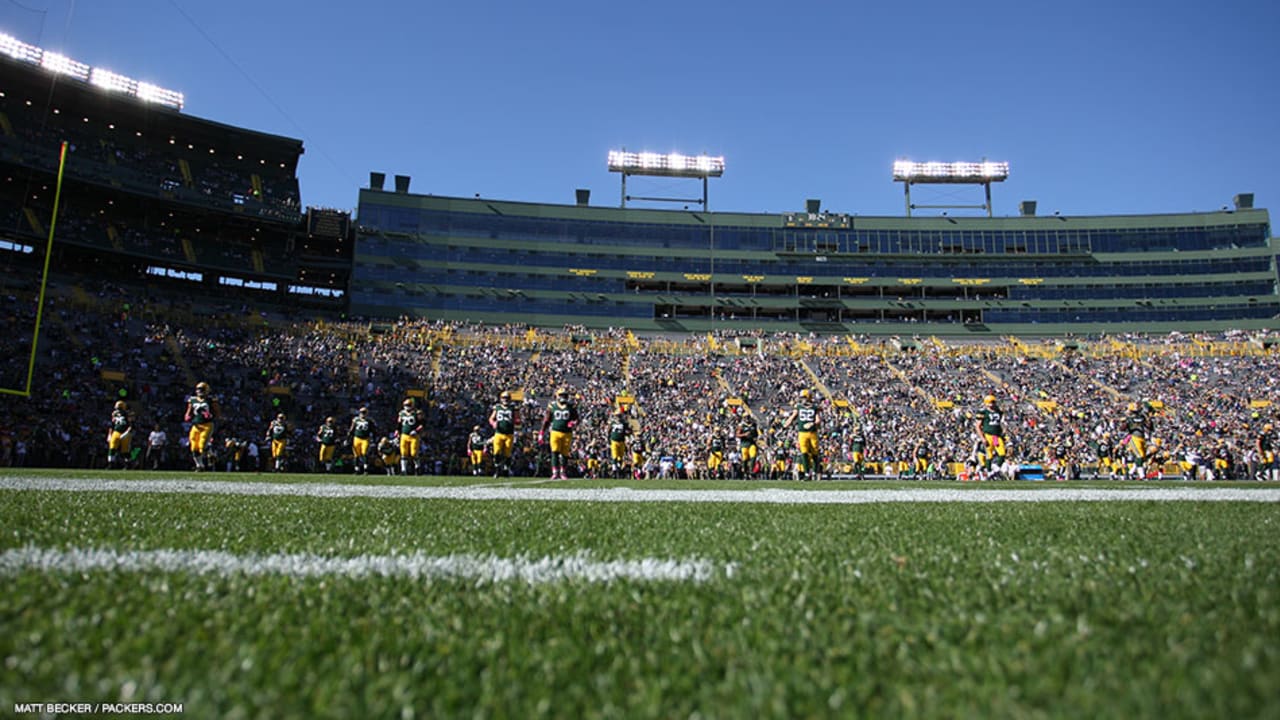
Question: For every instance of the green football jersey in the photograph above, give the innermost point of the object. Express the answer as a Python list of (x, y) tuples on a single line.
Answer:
[(504, 419), (992, 421), (362, 427), (561, 415), (618, 429), (806, 418), (327, 435)]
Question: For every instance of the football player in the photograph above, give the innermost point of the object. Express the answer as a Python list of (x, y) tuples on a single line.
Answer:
[(410, 423), (503, 421), (561, 418), (1268, 465), (748, 438), (805, 418), (202, 411), (619, 430), (475, 450), (990, 423), (715, 456), (389, 452), (120, 436), (327, 436), (278, 436), (360, 433)]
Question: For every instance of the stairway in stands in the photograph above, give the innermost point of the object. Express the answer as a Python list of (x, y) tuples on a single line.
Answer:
[(902, 376), (1092, 380), (33, 221), (353, 368), (67, 331), (437, 350), (114, 236), (728, 391), (175, 350), (999, 381), (816, 381)]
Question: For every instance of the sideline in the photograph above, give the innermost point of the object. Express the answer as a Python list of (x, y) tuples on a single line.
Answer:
[(628, 495)]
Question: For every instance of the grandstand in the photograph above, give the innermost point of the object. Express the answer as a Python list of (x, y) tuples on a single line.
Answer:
[(497, 261), (152, 196)]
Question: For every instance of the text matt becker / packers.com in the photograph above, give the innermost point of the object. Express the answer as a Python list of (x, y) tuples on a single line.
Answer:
[(99, 708)]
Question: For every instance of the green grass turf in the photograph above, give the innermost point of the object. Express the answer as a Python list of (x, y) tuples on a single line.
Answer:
[(1020, 610)]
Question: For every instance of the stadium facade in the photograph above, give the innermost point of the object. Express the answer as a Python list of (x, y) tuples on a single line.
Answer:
[(545, 264)]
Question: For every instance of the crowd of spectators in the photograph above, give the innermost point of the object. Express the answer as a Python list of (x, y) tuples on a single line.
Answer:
[(914, 403), (107, 226)]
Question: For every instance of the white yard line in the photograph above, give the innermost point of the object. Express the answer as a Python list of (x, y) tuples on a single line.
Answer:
[(628, 495), (476, 568)]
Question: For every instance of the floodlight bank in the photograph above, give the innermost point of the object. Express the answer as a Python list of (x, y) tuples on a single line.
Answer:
[(774, 496), (417, 566)]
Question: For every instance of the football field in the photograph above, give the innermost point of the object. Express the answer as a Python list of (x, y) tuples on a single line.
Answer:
[(304, 596)]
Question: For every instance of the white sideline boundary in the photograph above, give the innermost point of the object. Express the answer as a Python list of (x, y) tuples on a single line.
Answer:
[(483, 570), (773, 496)]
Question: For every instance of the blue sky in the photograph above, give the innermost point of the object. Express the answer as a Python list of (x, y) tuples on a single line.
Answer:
[(1100, 107)]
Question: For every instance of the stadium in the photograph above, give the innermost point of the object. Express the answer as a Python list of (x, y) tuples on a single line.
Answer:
[(360, 542)]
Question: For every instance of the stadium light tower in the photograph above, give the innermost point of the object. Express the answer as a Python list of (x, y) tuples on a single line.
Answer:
[(953, 173), (670, 165), (100, 77)]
